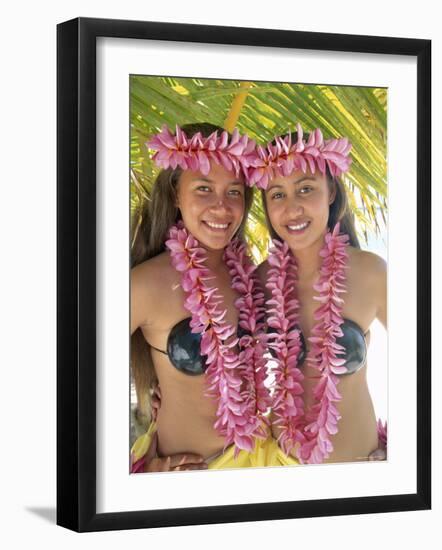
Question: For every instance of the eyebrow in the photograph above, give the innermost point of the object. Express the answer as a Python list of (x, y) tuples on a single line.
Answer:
[(208, 180), (299, 180)]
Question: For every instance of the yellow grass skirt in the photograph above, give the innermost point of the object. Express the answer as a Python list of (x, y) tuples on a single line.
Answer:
[(265, 453)]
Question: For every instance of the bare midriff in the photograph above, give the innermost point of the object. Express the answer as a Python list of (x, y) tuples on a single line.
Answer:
[(186, 416), (357, 435)]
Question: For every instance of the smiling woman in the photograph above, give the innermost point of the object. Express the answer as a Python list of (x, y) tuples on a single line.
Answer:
[(325, 412), (189, 258)]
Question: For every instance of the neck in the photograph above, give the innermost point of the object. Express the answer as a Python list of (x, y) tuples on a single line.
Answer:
[(214, 259), (309, 261)]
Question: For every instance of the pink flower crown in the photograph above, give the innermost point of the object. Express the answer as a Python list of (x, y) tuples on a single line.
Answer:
[(281, 157), (239, 154), (234, 153)]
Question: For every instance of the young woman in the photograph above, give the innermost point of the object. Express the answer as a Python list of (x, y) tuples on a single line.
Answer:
[(197, 309), (323, 294)]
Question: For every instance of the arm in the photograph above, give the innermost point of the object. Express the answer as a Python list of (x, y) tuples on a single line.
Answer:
[(371, 271), (139, 297), (380, 274), (381, 293), (141, 362)]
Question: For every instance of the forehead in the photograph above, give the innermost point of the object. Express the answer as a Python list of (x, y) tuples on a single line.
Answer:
[(217, 174), (298, 177)]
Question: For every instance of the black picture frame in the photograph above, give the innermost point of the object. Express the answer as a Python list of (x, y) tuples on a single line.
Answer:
[(76, 273)]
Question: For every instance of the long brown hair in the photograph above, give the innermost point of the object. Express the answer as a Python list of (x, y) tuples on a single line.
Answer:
[(339, 210), (150, 225)]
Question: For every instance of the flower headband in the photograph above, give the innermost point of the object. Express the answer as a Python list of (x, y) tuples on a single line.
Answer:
[(281, 157), (240, 153), (195, 153)]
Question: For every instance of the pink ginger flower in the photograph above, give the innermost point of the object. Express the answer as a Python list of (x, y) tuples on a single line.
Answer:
[(197, 152), (323, 417), (282, 158), (251, 309), (263, 166), (288, 404), (382, 432)]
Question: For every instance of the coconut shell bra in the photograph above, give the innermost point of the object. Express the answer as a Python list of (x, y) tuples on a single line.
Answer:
[(183, 348)]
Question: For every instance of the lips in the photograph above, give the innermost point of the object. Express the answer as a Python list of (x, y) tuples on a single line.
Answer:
[(217, 226), (297, 227)]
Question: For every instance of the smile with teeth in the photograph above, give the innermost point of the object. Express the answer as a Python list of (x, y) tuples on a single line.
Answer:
[(217, 225), (298, 227)]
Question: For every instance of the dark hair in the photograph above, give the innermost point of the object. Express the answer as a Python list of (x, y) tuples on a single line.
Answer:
[(150, 225), (339, 209)]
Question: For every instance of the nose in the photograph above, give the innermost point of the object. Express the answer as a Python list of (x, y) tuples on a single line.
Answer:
[(220, 203), (295, 207)]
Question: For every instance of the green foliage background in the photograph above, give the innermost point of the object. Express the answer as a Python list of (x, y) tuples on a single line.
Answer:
[(269, 109)]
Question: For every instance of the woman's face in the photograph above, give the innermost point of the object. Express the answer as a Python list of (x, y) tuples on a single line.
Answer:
[(298, 207), (212, 206)]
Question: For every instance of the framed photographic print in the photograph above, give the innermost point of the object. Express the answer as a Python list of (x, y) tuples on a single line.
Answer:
[(215, 184)]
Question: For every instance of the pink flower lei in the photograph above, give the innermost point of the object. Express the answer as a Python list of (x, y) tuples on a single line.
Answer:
[(283, 157), (234, 380), (287, 403), (310, 429), (234, 153)]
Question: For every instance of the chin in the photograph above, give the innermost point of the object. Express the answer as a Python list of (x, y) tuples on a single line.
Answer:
[(213, 244), (216, 241)]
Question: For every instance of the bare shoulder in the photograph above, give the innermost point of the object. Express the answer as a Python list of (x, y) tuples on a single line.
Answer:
[(369, 274), (151, 281), (152, 274), (153, 265), (364, 261)]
